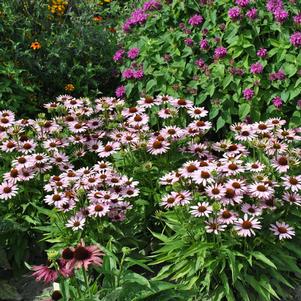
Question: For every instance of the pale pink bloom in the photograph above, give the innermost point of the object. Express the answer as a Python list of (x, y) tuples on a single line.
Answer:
[(99, 209), (76, 222), (8, 146), (262, 127), (94, 145), (189, 168), (68, 206), (282, 230), (269, 203), (147, 102), (94, 123), (255, 166), (287, 134), (280, 163), (200, 125), (28, 146), (157, 147), (53, 144), (44, 273), (8, 190), (232, 168), (77, 127), (275, 147), (108, 149), (184, 197), (231, 197), (173, 132), (84, 256), (129, 138), (215, 191), (182, 103), (201, 209), (292, 198), (127, 112), (222, 145), (252, 210), (261, 190), (236, 149), (170, 200), (73, 103), (167, 113), (245, 226), (169, 178), (197, 112), (203, 177), (227, 217), (276, 122), (214, 226), (245, 134), (138, 119), (63, 98), (22, 162), (292, 182), (238, 185), (13, 176), (129, 192), (26, 174), (56, 199), (164, 99)]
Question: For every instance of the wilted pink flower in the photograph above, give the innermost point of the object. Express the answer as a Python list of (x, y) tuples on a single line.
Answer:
[(248, 94), (220, 52), (44, 273), (252, 13), (133, 53), (234, 13), (120, 91), (295, 39), (118, 55), (262, 52), (196, 20), (277, 102), (256, 68)]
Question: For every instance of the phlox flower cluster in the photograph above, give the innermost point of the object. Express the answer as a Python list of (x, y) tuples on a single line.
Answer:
[(227, 188)]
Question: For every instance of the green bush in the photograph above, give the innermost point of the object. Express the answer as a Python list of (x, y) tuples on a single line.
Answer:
[(173, 61), (73, 47)]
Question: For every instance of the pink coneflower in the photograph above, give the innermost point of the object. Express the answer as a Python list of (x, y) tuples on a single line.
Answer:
[(182, 103), (147, 102), (238, 185), (231, 197), (99, 209), (84, 256), (227, 217), (215, 191), (8, 146), (27, 146), (245, 134), (76, 222), (189, 168), (8, 190), (170, 200), (292, 198), (169, 178), (244, 226), (261, 190), (157, 147), (171, 132), (275, 147), (129, 192), (201, 209), (214, 226), (197, 112), (252, 210), (281, 163), (292, 183), (44, 273), (167, 113), (56, 199), (282, 230), (108, 149), (203, 177), (255, 166), (184, 197)]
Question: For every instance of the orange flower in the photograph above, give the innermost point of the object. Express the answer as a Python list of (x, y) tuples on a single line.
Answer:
[(35, 45), (97, 18), (69, 87), (112, 29)]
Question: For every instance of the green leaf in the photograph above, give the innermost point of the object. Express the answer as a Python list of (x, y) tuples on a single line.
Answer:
[(244, 110), (261, 257), (150, 84), (220, 123)]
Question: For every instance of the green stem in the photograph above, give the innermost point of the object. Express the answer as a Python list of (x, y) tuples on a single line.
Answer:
[(121, 268), (86, 280)]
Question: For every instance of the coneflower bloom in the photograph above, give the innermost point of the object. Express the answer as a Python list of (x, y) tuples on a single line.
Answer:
[(292, 183), (44, 273), (189, 168), (292, 198), (84, 256), (255, 166), (261, 190), (281, 163), (201, 209), (227, 217), (214, 226), (157, 147), (108, 149), (76, 222), (27, 146), (184, 197), (170, 200), (245, 226), (197, 112), (203, 177), (99, 209), (8, 190), (282, 230), (252, 210), (215, 191)]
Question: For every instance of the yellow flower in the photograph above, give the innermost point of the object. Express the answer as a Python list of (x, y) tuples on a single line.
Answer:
[(69, 87), (35, 45)]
